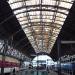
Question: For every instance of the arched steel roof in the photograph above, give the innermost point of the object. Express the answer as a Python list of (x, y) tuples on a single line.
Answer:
[(67, 33), (41, 20), (11, 31)]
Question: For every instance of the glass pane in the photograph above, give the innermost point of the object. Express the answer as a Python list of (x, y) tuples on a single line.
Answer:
[(41, 22)]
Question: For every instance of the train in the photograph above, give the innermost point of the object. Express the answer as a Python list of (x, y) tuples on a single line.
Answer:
[(9, 70), (9, 64), (67, 67)]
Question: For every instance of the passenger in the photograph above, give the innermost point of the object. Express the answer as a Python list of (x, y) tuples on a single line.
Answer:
[(48, 69), (14, 71), (30, 66)]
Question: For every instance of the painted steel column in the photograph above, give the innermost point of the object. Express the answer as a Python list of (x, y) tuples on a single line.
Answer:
[(59, 56), (2, 68), (37, 64)]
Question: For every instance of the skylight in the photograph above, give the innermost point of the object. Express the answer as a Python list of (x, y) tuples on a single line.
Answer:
[(42, 20)]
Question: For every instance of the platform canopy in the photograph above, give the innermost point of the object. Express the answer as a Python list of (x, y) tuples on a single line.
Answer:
[(41, 20)]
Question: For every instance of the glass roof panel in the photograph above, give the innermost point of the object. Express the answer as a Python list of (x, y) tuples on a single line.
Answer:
[(41, 20), (48, 2), (19, 11), (32, 2), (64, 4)]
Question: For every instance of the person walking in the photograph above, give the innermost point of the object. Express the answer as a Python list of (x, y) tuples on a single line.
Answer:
[(14, 71)]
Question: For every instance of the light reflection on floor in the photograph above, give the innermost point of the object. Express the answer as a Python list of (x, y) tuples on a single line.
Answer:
[(39, 73)]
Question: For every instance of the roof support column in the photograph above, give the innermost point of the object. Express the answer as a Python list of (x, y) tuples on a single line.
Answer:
[(59, 56)]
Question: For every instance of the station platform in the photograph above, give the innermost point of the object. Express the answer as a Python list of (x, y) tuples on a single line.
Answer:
[(39, 72)]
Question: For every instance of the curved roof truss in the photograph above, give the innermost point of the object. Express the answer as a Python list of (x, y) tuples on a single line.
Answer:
[(41, 20)]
